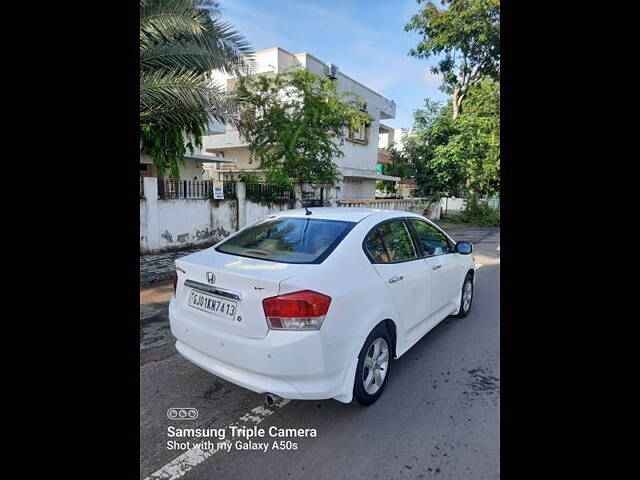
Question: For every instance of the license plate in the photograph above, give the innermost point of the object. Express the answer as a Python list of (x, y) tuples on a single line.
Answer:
[(213, 304)]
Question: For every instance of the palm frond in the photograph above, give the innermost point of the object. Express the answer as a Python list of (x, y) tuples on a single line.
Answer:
[(176, 55), (164, 20), (212, 7), (226, 43), (183, 98), (202, 56), (181, 43)]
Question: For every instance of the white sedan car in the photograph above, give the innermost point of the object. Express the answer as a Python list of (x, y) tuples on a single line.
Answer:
[(316, 306)]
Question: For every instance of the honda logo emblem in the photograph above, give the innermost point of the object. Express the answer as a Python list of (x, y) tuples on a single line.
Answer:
[(211, 278)]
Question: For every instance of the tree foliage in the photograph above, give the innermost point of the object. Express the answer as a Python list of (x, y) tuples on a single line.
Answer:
[(180, 45), (447, 155), (399, 166), (296, 122), (465, 37), (457, 145), (480, 214), (432, 128), (473, 145)]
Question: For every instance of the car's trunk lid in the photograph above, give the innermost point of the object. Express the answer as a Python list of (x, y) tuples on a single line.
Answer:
[(225, 292)]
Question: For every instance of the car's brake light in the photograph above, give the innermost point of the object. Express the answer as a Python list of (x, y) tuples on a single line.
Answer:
[(304, 310)]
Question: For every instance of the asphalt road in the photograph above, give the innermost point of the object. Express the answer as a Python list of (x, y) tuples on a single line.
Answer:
[(439, 416)]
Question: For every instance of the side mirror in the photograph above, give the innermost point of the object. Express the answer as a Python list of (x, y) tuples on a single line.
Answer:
[(464, 248)]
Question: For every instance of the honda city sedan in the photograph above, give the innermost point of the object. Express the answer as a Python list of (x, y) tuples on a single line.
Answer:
[(316, 304)]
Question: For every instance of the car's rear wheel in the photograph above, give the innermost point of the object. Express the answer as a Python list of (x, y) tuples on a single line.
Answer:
[(373, 366), (466, 296)]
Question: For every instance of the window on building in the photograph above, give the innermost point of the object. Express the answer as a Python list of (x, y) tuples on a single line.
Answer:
[(353, 189), (359, 134)]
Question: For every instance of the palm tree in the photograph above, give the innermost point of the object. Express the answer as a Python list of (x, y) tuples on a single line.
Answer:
[(180, 45)]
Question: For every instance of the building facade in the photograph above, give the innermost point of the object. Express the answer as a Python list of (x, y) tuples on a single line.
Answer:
[(395, 136), (357, 168)]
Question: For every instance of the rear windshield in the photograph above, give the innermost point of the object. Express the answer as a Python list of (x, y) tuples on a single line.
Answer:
[(288, 240)]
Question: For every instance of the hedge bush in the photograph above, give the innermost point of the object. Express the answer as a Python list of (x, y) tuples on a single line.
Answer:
[(480, 214)]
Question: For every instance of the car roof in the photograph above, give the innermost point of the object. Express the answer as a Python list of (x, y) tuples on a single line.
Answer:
[(348, 214)]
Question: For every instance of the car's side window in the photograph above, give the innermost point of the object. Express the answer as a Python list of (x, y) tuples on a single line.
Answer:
[(390, 242), (432, 240)]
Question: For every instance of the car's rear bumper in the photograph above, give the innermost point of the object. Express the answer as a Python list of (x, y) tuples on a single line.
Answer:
[(294, 365)]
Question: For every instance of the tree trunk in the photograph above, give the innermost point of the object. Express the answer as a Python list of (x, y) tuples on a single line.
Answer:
[(300, 192), (456, 101)]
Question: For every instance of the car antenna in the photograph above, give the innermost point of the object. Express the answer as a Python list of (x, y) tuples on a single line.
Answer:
[(306, 210)]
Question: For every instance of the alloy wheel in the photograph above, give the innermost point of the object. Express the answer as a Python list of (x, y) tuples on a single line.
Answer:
[(375, 367), (467, 295)]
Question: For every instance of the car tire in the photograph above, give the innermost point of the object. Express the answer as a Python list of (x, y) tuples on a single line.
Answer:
[(465, 302), (373, 367)]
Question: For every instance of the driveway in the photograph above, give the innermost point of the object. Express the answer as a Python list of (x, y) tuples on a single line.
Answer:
[(438, 417)]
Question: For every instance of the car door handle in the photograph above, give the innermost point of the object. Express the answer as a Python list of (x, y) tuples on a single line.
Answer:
[(395, 278), (435, 267)]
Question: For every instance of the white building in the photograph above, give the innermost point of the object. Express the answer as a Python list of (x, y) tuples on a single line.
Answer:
[(194, 167), (388, 137), (394, 137), (358, 165)]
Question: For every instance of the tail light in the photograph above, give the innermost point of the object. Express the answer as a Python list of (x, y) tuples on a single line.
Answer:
[(175, 281), (304, 310)]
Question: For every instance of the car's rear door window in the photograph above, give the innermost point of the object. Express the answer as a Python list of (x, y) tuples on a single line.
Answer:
[(390, 242), (288, 239)]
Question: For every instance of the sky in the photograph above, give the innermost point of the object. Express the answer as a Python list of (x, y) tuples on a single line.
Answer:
[(365, 39)]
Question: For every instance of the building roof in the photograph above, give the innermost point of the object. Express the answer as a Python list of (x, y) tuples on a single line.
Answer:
[(367, 174), (340, 72), (208, 158), (385, 128)]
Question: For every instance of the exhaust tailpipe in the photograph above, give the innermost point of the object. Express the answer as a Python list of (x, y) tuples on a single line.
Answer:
[(270, 399)]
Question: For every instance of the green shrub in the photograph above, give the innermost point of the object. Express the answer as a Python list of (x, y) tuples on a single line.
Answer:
[(248, 178), (278, 177), (480, 214)]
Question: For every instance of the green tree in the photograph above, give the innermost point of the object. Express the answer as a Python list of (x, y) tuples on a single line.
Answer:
[(400, 165), (473, 144), (296, 122), (433, 126), (180, 45), (449, 155), (465, 37)]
